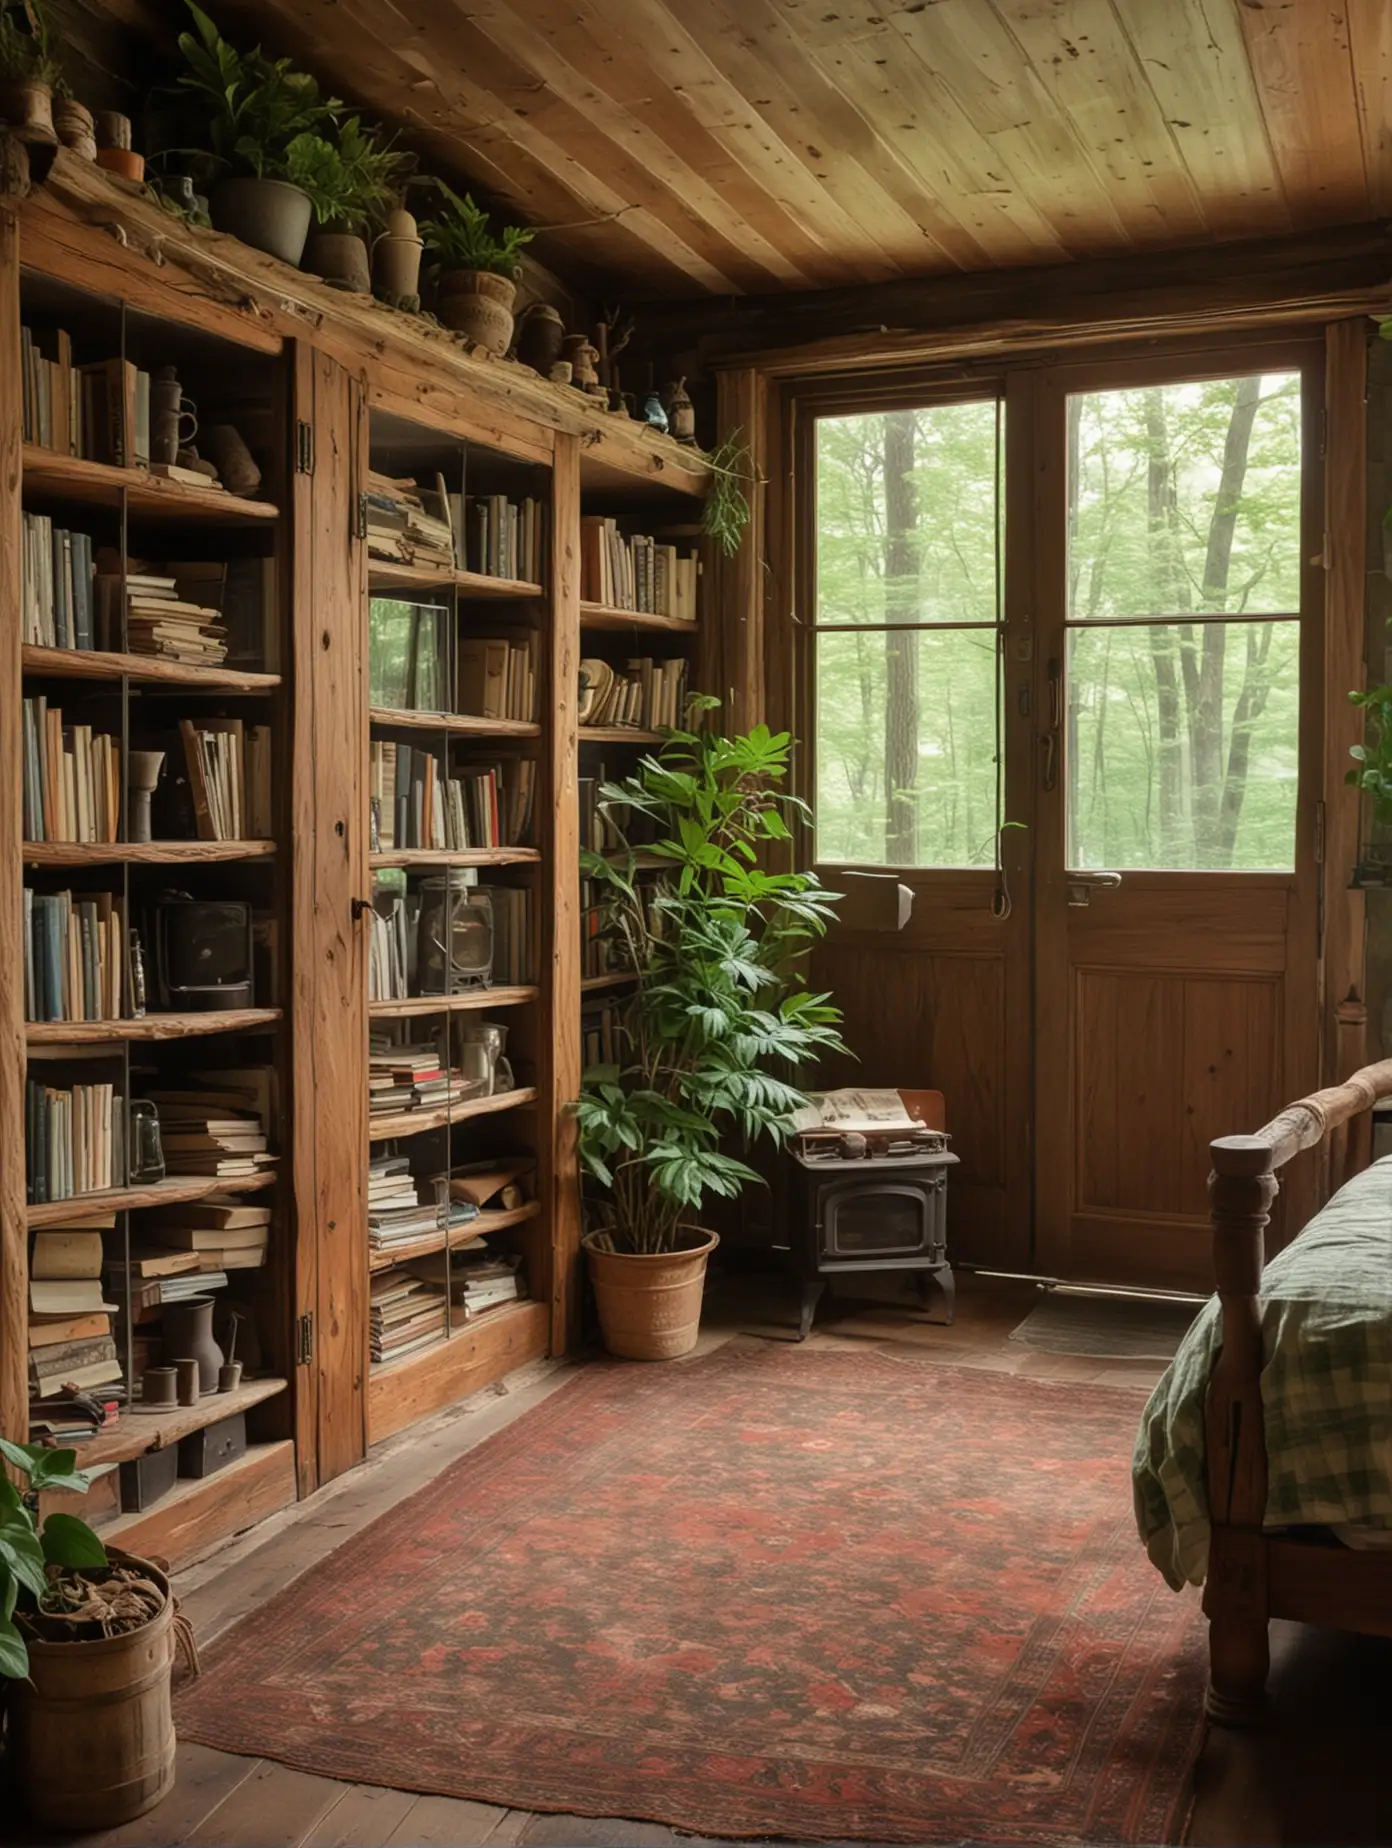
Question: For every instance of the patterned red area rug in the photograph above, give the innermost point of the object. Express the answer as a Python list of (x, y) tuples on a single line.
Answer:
[(774, 1591)]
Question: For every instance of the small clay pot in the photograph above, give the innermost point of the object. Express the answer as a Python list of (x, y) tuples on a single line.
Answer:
[(340, 258), (26, 109), (229, 1376), (270, 215), (396, 259), (186, 1372), (112, 129), (122, 162), (76, 130), (478, 304), (540, 335), (157, 1386)]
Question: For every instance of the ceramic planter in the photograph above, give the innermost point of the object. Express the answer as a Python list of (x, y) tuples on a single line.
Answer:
[(73, 121), (478, 304), (540, 338), (340, 258), (396, 260), (122, 161), (650, 1304), (26, 109), (188, 1335), (270, 215)]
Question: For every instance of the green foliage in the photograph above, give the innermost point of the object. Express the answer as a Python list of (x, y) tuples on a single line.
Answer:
[(718, 1023), (26, 45), (257, 115), (1374, 760), (28, 1547), (351, 175), (725, 514), (461, 237)]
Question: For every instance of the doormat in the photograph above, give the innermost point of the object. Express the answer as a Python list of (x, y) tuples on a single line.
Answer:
[(770, 1591), (1106, 1327)]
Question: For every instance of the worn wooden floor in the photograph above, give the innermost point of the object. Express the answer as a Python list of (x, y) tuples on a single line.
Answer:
[(1315, 1775)]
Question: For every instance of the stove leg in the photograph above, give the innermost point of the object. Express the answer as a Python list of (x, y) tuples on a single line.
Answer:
[(811, 1295), (947, 1283)]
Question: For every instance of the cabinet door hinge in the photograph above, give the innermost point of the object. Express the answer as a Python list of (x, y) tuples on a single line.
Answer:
[(1319, 834), (304, 447), (361, 529), (304, 1340)]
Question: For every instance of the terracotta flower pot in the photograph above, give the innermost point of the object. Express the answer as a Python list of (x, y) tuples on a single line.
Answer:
[(396, 259), (340, 258), (270, 215), (650, 1304), (540, 337), (76, 130), (478, 304), (26, 109), (122, 161)]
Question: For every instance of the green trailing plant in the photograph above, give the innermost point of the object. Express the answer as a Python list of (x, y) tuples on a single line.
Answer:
[(257, 115), (34, 1553), (26, 45), (719, 1022), (726, 512), (461, 237), (1373, 760)]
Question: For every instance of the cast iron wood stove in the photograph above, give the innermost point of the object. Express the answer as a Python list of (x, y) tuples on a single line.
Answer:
[(850, 1213)]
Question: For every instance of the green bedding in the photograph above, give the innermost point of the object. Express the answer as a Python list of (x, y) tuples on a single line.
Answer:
[(1326, 1389)]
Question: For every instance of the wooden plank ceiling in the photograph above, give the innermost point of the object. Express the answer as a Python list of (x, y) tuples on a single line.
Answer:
[(687, 147)]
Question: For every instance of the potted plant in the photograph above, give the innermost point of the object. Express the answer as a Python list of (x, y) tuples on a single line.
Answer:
[(86, 1647), (352, 179), (1373, 772), (29, 72), (478, 270), (266, 128), (714, 1030)]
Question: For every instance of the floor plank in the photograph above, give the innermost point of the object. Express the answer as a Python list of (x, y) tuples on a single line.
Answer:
[(273, 1808), (204, 1779), (446, 1822), (363, 1817)]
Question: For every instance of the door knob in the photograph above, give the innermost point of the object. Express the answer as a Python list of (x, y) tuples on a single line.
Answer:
[(1081, 886)]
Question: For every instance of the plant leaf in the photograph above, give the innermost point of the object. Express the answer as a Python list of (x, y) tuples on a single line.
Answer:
[(69, 1542)]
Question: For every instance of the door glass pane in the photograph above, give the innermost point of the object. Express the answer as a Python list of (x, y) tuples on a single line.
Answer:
[(1182, 745), (1185, 498), (911, 712), (906, 515)]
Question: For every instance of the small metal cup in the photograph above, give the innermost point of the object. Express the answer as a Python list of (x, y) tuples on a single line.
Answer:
[(187, 1374)]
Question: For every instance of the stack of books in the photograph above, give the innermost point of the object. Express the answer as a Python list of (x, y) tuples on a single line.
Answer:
[(229, 768), (70, 1341), (513, 957), (101, 411), (408, 1077), (72, 778), (74, 1140), (403, 528), (496, 677), (414, 804), (397, 1214), (404, 1315), (502, 538), (57, 606), (217, 1126), (158, 621), (645, 693), (74, 955), (636, 572), (216, 1235), (389, 947), (476, 1278)]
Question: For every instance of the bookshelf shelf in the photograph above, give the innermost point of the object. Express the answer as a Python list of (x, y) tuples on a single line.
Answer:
[(410, 857), (617, 734), (176, 1190), (196, 1514), (143, 853), (593, 984), (98, 664), (151, 1027), (382, 574), (142, 1429), (435, 1241), (601, 616), (415, 1122), (473, 998), (457, 724), (98, 484)]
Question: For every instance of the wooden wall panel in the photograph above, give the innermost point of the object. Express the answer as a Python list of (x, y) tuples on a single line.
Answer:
[(14, 1307)]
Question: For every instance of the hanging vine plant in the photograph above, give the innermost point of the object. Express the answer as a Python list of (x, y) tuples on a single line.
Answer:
[(726, 512)]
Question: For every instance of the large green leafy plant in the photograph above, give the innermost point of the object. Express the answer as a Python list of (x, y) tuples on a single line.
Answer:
[(719, 1021), (30, 1548), (461, 236), (26, 45)]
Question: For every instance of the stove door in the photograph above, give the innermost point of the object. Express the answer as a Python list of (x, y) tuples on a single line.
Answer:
[(866, 1219)]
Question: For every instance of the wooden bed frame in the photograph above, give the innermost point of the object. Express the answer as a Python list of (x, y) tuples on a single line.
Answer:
[(1252, 1576)]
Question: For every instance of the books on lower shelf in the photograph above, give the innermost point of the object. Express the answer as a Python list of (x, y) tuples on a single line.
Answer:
[(475, 1277), (405, 1075), (404, 1314), (100, 410), (72, 778), (74, 1140), (57, 605), (401, 1210), (495, 677), (644, 693), (415, 803), (229, 771), (74, 955), (636, 572)]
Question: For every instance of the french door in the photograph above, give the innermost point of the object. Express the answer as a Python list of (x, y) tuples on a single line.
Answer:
[(1064, 678)]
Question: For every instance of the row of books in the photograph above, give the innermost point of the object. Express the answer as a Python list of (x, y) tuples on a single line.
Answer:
[(75, 949), (608, 827), (229, 769), (502, 538), (514, 961), (414, 803), (72, 778), (100, 410), (644, 693), (56, 600), (74, 1140), (600, 1033), (496, 677), (636, 572)]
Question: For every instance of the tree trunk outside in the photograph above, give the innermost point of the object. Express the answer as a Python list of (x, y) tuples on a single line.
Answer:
[(901, 649)]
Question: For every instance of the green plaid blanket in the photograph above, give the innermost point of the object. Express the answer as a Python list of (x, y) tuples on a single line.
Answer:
[(1326, 1389)]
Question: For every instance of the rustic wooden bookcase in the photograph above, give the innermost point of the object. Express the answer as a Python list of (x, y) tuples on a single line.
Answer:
[(346, 380)]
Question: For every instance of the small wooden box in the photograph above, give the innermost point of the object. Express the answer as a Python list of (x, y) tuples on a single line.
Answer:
[(145, 1479), (205, 1452)]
